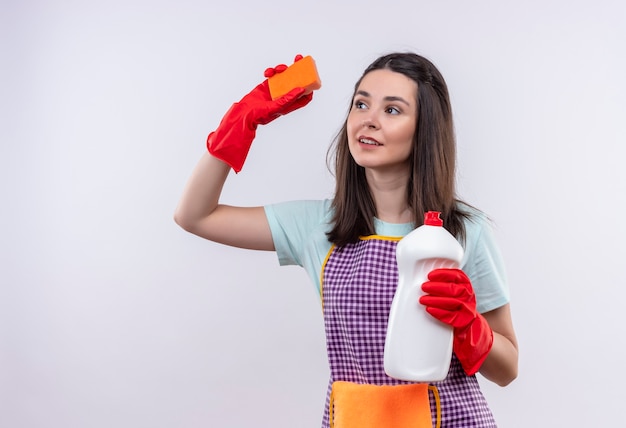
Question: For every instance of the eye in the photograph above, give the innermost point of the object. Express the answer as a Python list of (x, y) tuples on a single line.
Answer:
[(358, 104), (392, 110)]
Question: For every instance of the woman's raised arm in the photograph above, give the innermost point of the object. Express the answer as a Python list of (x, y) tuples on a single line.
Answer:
[(199, 210), (200, 213)]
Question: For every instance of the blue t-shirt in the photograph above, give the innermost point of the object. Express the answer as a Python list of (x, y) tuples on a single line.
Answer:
[(299, 233)]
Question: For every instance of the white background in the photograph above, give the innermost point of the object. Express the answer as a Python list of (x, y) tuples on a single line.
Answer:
[(113, 316)]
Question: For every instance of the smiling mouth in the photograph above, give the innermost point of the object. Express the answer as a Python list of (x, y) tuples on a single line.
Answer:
[(369, 142)]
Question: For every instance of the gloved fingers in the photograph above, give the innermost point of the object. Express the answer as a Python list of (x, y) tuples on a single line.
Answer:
[(465, 309), (269, 72), (448, 275), (458, 290), (293, 100), (289, 97), (261, 97), (280, 68), (456, 319), (440, 314), (300, 102), (289, 102), (446, 303)]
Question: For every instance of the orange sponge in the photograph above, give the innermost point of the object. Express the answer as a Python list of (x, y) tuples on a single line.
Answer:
[(302, 73)]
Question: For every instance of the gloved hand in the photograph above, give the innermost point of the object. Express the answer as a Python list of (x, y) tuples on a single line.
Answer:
[(232, 139), (450, 298)]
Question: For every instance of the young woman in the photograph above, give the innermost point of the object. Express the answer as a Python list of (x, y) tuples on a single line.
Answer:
[(394, 160)]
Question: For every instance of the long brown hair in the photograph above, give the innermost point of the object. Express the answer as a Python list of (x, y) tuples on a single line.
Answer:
[(432, 161)]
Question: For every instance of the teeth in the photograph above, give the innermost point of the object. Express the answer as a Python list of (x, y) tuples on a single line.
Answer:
[(368, 141)]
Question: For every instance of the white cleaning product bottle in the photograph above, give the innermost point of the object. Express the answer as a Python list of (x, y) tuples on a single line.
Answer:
[(418, 347)]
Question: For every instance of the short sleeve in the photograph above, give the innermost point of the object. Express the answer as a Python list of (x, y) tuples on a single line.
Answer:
[(299, 233), (484, 265)]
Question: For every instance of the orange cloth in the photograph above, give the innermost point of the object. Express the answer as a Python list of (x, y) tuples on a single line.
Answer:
[(374, 406)]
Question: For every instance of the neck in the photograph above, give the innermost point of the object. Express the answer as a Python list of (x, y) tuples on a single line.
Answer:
[(389, 193)]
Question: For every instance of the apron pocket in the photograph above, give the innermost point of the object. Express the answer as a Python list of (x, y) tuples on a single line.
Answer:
[(354, 405)]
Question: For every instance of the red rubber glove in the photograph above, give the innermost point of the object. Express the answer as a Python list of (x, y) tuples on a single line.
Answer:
[(450, 298), (232, 139)]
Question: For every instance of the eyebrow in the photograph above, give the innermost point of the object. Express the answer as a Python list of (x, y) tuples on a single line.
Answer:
[(387, 98)]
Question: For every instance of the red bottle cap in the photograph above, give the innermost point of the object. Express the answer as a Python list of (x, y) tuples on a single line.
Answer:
[(431, 218)]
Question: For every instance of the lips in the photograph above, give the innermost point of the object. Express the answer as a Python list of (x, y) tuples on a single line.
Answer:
[(368, 141)]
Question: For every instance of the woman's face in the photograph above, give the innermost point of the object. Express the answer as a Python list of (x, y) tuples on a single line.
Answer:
[(382, 120)]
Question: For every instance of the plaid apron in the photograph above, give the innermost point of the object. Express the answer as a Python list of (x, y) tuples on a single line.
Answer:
[(358, 285)]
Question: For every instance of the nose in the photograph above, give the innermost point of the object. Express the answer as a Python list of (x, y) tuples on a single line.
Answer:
[(370, 123)]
